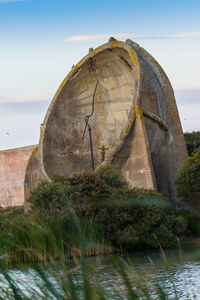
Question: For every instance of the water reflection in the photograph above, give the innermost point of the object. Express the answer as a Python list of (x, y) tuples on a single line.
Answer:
[(150, 265)]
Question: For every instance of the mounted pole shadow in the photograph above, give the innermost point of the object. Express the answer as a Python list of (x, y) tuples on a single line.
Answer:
[(87, 125)]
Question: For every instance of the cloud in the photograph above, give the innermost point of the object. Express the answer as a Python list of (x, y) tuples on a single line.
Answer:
[(43, 95), (100, 37), (187, 35), (124, 36)]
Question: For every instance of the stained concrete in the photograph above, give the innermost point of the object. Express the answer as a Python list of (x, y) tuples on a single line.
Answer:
[(13, 165), (135, 124), (64, 151), (32, 175)]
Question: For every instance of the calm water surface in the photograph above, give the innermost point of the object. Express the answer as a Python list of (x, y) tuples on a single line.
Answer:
[(150, 265)]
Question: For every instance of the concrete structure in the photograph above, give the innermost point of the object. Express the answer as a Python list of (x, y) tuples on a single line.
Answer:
[(13, 165), (121, 94), (121, 91)]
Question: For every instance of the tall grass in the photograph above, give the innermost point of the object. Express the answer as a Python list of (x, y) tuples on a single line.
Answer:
[(47, 244), (53, 233), (40, 238)]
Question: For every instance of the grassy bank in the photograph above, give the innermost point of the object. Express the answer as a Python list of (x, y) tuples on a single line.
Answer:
[(48, 239), (42, 237), (98, 208)]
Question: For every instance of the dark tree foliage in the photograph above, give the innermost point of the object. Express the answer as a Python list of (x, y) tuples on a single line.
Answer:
[(188, 182), (192, 140)]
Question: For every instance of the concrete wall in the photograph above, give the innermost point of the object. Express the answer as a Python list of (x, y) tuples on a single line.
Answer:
[(64, 151), (13, 165), (135, 123), (33, 175)]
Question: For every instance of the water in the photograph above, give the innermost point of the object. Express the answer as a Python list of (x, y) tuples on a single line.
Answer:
[(183, 272), (150, 265)]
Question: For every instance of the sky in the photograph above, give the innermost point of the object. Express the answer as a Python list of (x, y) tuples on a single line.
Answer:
[(40, 40)]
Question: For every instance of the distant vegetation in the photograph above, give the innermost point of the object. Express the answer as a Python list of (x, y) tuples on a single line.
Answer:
[(192, 141), (188, 182)]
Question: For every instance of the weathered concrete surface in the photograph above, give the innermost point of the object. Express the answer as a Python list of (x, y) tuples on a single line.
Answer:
[(135, 155), (13, 164), (33, 175), (135, 123), (175, 152), (63, 151)]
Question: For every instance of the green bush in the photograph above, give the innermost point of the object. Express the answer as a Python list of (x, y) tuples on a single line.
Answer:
[(112, 177), (126, 217), (85, 187), (188, 182), (49, 197), (133, 226)]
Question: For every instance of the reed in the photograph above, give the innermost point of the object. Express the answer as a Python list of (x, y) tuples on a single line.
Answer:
[(72, 218), (48, 245)]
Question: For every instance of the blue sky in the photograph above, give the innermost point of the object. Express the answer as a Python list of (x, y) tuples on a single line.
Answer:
[(41, 39)]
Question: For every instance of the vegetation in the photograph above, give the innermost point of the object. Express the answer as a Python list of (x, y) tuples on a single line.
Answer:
[(110, 214), (112, 177), (79, 216), (192, 141), (61, 280), (188, 182), (37, 237), (127, 218)]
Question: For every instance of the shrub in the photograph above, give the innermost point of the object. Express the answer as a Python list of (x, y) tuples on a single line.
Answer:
[(49, 197), (133, 225), (188, 182), (112, 177), (127, 217), (84, 188)]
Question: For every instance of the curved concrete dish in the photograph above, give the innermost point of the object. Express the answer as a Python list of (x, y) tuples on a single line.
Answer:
[(115, 67), (135, 123)]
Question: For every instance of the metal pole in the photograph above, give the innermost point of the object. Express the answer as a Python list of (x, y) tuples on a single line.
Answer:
[(91, 148)]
